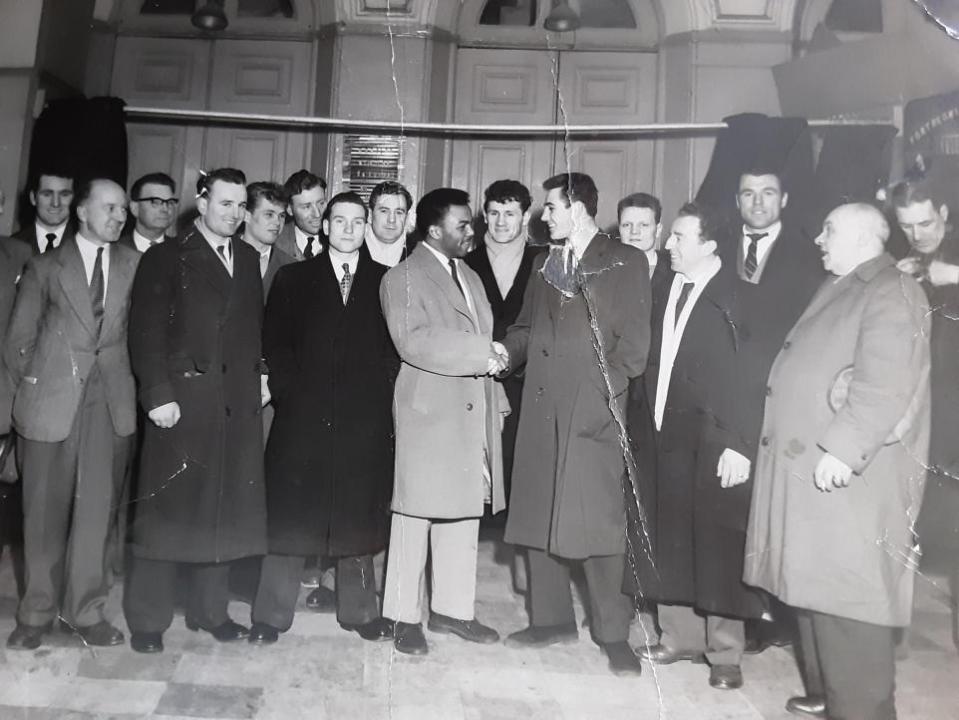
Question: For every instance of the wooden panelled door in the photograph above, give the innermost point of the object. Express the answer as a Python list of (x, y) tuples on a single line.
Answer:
[(511, 87)]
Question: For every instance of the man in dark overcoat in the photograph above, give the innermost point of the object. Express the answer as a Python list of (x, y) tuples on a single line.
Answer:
[(329, 459), (582, 334), (697, 513), (195, 324)]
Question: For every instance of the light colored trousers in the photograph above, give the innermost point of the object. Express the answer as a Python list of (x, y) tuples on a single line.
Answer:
[(453, 547), (721, 638)]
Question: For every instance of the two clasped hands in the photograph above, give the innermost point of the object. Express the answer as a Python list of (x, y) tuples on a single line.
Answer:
[(831, 472), (498, 362), (167, 415)]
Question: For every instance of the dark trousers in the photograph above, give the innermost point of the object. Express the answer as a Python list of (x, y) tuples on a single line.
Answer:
[(70, 489), (279, 588), (850, 663), (551, 599), (151, 594)]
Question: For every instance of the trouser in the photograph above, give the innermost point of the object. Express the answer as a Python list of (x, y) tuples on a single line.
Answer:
[(551, 599), (279, 588), (850, 663), (69, 492), (452, 544), (150, 595), (722, 639)]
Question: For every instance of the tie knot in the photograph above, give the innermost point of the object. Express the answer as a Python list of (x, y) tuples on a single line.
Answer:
[(346, 267), (99, 253), (51, 236), (756, 237)]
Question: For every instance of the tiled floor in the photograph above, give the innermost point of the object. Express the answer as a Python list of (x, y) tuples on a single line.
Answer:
[(318, 671)]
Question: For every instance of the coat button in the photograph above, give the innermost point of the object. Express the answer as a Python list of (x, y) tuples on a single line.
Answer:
[(540, 391), (469, 406), (545, 352), (764, 442)]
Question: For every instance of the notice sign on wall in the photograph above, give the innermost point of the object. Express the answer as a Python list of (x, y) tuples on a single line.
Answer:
[(369, 160)]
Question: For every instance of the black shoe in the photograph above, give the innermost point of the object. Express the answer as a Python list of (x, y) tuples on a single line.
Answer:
[(322, 600), (408, 638), (540, 636), (471, 630), (103, 634), (663, 655), (27, 637), (227, 631), (263, 634), (755, 645), (375, 630), (146, 642), (622, 659), (807, 705), (726, 677)]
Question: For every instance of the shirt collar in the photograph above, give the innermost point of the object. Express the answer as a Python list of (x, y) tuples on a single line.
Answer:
[(705, 273), (772, 232), (42, 232), (89, 248), (209, 235), (439, 256)]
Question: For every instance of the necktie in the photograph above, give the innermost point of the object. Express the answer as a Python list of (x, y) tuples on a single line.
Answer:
[(96, 290), (265, 262), (224, 251), (51, 238), (570, 263), (308, 250), (681, 300), (752, 262), (456, 277), (345, 282)]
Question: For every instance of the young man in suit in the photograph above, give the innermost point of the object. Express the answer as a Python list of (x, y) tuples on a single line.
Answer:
[(301, 238), (75, 415), (329, 460), (779, 269), (700, 461), (51, 196), (503, 262), (195, 324), (263, 222), (153, 204), (448, 419), (582, 334), (841, 467), (390, 204), (640, 218)]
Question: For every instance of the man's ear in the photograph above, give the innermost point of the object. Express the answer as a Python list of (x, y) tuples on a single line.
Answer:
[(944, 212), (202, 203), (526, 218), (785, 199), (326, 228), (659, 231), (135, 210), (33, 198)]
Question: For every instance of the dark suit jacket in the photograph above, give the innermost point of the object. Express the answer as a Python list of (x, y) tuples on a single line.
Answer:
[(505, 309), (195, 340), (287, 242), (52, 343), (329, 461), (28, 235), (662, 274), (278, 258), (13, 256)]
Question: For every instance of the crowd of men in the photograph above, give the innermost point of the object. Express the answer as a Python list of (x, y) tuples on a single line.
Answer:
[(729, 428)]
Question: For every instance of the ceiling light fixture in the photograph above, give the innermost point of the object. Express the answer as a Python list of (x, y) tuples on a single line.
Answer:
[(562, 18), (210, 17)]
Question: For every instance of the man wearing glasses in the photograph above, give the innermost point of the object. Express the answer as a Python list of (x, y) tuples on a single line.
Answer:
[(153, 204)]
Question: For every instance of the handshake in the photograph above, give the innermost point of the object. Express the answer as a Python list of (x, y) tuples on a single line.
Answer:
[(498, 362)]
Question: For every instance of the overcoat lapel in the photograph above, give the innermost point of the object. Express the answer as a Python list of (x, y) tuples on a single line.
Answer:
[(435, 272), (118, 286), (197, 253), (73, 280)]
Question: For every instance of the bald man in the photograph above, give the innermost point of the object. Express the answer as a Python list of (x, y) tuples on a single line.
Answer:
[(840, 469), (74, 409)]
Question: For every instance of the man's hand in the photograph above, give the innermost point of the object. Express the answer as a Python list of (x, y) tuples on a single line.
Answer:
[(910, 266), (732, 469), (264, 390), (165, 416), (499, 359), (831, 472), (940, 273)]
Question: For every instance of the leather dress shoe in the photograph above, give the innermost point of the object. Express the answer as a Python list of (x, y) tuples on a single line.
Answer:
[(408, 638), (807, 705), (322, 600), (27, 637), (263, 634), (664, 655), (102, 634), (471, 630), (540, 636), (726, 677), (375, 630), (622, 659), (146, 642), (227, 631)]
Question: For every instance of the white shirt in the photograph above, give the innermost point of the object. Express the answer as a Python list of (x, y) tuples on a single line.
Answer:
[(300, 238), (388, 254), (653, 257), (144, 243), (42, 233), (764, 245), (444, 261), (88, 253), (505, 259), (673, 332), (215, 242), (337, 260)]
